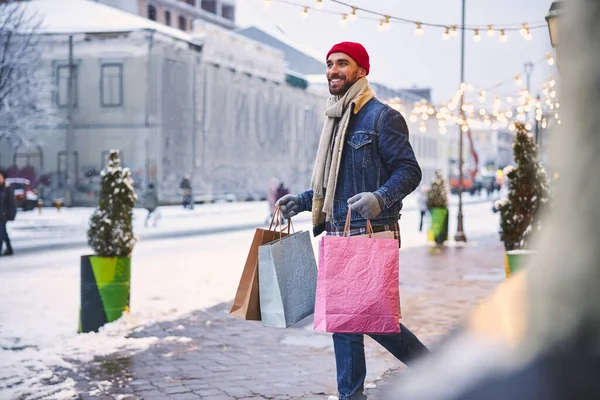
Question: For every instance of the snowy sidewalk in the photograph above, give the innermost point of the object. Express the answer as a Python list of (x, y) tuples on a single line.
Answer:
[(211, 355), (67, 228)]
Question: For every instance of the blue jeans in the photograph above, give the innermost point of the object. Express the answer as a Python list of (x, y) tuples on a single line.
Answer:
[(350, 358)]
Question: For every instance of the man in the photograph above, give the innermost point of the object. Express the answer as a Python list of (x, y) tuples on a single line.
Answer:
[(8, 211), (365, 161)]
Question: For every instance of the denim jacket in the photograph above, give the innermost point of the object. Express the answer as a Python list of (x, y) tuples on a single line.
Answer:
[(376, 157)]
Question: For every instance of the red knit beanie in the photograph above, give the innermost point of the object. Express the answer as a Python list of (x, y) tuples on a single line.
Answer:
[(354, 50)]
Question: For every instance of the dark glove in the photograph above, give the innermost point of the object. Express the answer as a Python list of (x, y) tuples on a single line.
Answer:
[(367, 204), (290, 205)]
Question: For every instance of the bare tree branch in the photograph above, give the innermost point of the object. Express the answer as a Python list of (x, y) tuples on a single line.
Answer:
[(21, 87)]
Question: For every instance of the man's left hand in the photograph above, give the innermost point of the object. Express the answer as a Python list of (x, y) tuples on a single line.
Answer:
[(366, 204)]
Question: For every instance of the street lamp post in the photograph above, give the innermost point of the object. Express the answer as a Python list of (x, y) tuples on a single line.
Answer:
[(460, 234)]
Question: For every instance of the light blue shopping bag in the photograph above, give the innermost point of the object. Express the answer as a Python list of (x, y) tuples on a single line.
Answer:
[(287, 280)]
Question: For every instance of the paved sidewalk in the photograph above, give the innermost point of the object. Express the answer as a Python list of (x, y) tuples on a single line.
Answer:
[(210, 355)]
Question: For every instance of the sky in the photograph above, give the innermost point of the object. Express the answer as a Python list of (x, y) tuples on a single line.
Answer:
[(401, 59)]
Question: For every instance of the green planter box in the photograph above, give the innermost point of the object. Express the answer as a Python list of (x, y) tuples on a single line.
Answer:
[(105, 291), (438, 231), (514, 260)]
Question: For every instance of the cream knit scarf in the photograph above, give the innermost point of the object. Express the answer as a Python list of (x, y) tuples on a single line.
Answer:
[(327, 164)]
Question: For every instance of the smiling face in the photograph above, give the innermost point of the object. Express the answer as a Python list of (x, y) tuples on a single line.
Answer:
[(342, 72)]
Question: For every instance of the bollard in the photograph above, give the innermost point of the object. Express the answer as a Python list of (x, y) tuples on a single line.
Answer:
[(105, 291), (58, 204), (40, 204)]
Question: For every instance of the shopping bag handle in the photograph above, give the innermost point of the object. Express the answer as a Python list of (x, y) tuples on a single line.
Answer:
[(275, 219), (347, 226)]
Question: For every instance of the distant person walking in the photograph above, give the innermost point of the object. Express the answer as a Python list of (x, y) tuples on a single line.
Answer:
[(8, 212), (186, 193), (150, 202), (422, 201)]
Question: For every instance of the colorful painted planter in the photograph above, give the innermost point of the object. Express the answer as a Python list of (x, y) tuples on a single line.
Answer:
[(514, 260), (438, 231), (105, 291)]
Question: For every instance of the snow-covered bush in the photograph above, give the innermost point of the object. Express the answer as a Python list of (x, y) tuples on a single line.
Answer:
[(527, 194), (111, 231), (437, 196)]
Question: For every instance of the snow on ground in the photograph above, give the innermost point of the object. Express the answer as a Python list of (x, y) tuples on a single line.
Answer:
[(170, 278), (69, 226)]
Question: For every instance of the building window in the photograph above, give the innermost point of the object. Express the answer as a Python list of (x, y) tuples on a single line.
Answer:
[(111, 85), (151, 12), (210, 6), (168, 18), (182, 23), (62, 85), (228, 12), (191, 2)]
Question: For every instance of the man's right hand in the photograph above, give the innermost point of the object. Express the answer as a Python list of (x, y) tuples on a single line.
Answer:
[(289, 205)]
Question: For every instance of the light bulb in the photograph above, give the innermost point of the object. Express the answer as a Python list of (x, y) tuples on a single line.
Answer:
[(528, 126), (305, 12), (454, 31), (550, 59), (413, 118), (477, 36), (491, 32), (319, 4), (503, 36), (353, 14), (422, 128), (386, 23), (267, 3), (446, 34), (419, 31), (464, 128), (443, 130), (527, 35), (518, 80), (344, 20), (524, 29)]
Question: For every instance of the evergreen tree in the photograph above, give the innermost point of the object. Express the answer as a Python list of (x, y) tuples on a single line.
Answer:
[(527, 194), (111, 231), (437, 196)]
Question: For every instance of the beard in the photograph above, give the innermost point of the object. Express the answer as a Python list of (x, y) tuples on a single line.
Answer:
[(342, 85)]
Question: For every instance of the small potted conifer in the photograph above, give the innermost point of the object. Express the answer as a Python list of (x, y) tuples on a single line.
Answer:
[(105, 276), (528, 194), (437, 203)]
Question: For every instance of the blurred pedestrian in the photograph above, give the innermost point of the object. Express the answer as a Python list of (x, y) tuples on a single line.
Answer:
[(8, 212), (364, 162), (186, 193), (150, 203), (422, 202), (272, 196)]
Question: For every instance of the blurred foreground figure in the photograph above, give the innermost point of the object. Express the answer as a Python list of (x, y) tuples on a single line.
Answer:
[(556, 355)]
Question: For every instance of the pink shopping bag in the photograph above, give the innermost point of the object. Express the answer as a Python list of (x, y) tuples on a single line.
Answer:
[(358, 285)]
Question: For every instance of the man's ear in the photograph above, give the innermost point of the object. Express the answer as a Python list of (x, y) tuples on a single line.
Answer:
[(362, 72)]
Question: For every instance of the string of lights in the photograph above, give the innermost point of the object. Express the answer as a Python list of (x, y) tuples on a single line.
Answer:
[(384, 21)]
